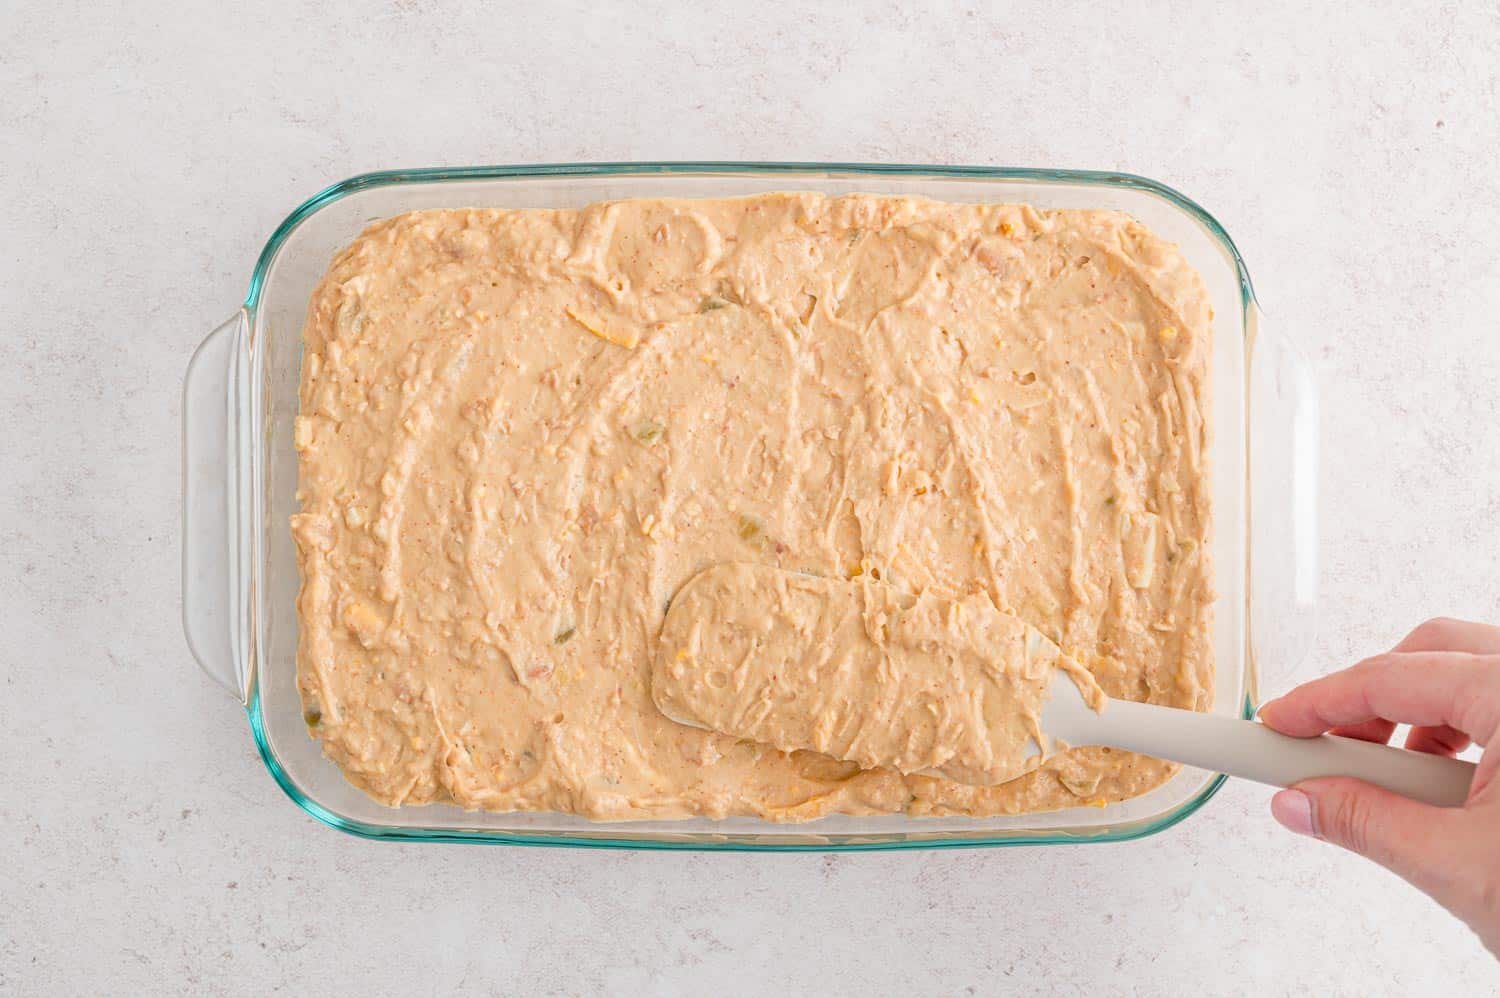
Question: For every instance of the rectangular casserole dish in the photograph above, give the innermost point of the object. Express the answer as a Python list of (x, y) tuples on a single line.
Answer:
[(240, 577)]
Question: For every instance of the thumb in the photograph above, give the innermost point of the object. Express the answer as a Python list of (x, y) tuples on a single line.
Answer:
[(1404, 836)]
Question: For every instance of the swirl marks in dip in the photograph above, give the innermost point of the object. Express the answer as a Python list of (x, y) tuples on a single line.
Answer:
[(523, 431), (862, 672)]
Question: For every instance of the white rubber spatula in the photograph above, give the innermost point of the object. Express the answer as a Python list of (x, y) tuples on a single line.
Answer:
[(792, 660), (1249, 749)]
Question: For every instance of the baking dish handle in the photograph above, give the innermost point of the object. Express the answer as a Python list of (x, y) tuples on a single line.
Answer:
[(215, 514), (1283, 505)]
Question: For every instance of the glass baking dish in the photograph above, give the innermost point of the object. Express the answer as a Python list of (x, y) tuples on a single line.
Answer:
[(240, 576)]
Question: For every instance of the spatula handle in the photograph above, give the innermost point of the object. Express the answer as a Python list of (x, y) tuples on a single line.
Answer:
[(1251, 750)]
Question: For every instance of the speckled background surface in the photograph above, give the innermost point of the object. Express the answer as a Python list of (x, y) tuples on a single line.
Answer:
[(148, 152)]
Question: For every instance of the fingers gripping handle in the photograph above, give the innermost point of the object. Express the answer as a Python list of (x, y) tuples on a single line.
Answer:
[(215, 492)]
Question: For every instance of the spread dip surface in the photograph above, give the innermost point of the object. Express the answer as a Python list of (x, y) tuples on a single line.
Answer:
[(522, 432), (861, 671)]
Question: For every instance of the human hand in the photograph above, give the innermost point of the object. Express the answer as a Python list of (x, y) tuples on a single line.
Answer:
[(1444, 680)]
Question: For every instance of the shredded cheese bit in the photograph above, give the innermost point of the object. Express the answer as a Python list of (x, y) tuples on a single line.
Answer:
[(620, 338), (892, 478)]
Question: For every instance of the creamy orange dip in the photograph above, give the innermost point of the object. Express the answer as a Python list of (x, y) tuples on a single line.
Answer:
[(522, 432), (861, 671)]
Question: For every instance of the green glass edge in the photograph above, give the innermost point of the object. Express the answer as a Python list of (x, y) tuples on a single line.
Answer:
[(384, 178), (566, 840)]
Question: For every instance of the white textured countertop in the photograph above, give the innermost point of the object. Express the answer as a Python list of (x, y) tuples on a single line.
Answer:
[(149, 151)]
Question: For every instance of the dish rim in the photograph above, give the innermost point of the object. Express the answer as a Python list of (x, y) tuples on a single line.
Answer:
[(570, 839)]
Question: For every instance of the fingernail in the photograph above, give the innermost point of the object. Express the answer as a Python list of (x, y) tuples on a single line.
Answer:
[(1293, 809)]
